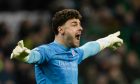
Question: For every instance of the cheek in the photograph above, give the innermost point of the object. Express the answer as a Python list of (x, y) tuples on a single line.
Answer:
[(70, 32), (69, 36), (70, 29)]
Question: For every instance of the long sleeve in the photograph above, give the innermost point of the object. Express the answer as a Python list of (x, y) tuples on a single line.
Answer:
[(90, 48), (93, 47), (34, 57), (37, 55)]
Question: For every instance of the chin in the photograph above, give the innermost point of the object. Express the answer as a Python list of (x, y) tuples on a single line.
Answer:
[(76, 45)]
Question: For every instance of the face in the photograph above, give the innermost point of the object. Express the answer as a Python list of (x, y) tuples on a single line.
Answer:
[(72, 32)]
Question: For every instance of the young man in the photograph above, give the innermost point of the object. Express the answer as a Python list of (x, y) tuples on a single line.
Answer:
[(57, 62)]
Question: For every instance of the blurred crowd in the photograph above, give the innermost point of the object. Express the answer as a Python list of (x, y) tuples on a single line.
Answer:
[(30, 20)]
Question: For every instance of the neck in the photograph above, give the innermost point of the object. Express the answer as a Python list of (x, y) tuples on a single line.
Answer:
[(60, 40)]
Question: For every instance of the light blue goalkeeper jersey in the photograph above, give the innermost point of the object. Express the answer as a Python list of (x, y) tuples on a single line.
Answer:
[(55, 64)]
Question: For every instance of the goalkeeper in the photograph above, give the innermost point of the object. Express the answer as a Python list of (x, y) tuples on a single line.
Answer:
[(57, 62)]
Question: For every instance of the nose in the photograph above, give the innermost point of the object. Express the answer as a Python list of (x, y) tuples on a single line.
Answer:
[(80, 28)]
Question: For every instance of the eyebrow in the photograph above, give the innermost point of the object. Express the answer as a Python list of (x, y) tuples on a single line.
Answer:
[(75, 22)]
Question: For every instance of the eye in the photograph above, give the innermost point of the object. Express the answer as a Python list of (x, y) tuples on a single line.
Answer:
[(74, 24)]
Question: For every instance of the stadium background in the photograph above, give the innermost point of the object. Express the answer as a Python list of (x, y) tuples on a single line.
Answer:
[(30, 20)]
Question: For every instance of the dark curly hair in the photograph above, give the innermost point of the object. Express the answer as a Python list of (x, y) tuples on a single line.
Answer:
[(62, 16)]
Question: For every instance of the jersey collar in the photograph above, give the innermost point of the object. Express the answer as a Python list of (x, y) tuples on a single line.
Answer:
[(61, 46)]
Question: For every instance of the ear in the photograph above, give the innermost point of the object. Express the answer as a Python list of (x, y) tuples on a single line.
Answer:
[(61, 30)]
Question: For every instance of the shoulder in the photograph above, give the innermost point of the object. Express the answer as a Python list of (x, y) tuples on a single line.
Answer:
[(44, 46), (47, 49), (78, 51)]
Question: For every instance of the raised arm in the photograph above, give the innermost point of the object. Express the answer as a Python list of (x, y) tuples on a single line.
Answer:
[(93, 47)]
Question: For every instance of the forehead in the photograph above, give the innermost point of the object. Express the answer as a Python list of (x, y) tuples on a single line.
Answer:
[(73, 21)]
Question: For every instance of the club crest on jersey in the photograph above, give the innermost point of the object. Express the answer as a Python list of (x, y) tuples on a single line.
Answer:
[(73, 53)]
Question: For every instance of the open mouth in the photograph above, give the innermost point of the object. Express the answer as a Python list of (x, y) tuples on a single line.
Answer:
[(77, 36)]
